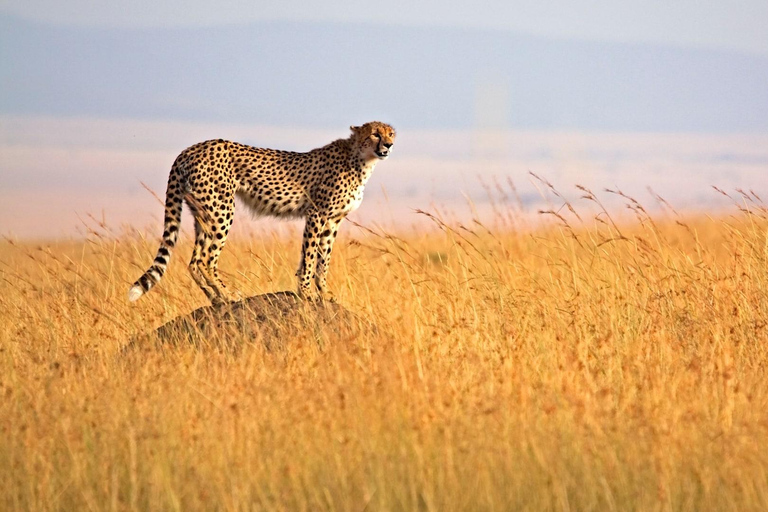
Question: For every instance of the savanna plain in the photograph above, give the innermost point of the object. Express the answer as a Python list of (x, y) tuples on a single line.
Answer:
[(598, 359)]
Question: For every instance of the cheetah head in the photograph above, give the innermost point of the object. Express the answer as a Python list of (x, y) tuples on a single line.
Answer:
[(374, 139)]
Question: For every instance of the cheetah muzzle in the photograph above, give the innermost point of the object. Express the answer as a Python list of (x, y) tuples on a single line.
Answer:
[(322, 186)]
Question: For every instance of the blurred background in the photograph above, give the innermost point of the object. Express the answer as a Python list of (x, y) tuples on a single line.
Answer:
[(97, 99)]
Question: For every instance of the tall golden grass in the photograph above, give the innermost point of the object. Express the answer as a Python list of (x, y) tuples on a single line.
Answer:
[(595, 362)]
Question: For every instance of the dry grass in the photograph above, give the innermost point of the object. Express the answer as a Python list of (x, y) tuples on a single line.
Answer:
[(587, 365)]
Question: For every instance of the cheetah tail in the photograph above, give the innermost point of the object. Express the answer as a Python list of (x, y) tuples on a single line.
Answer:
[(155, 272)]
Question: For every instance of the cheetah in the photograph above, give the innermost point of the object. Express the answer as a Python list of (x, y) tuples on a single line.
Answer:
[(322, 186)]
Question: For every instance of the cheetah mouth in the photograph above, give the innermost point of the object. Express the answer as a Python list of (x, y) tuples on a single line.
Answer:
[(381, 155)]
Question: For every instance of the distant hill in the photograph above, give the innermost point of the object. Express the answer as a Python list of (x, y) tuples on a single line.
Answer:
[(329, 75)]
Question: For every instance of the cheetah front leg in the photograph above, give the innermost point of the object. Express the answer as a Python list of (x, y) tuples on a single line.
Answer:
[(309, 250), (325, 246)]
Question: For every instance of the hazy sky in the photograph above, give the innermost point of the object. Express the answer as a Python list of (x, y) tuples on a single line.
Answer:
[(98, 96), (732, 24)]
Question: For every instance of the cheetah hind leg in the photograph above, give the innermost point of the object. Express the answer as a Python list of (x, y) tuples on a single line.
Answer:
[(210, 266), (196, 268), (207, 277), (203, 266)]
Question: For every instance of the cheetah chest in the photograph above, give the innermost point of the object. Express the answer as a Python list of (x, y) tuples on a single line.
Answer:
[(347, 203), (354, 201), (355, 196)]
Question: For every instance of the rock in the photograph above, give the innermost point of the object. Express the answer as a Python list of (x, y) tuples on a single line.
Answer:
[(271, 319)]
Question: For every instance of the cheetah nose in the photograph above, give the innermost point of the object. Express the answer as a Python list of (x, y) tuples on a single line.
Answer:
[(387, 145)]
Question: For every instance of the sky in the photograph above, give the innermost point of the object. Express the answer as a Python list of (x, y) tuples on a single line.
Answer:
[(98, 97), (734, 25)]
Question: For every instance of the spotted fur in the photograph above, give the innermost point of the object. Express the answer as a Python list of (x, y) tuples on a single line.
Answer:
[(321, 186)]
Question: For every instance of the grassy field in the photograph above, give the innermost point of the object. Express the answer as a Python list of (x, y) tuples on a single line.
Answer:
[(590, 363)]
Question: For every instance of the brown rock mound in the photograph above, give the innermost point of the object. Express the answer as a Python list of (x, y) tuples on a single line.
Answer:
[(271, 319)]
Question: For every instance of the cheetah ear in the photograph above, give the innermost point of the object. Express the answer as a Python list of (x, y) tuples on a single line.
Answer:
[(354, 128)]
